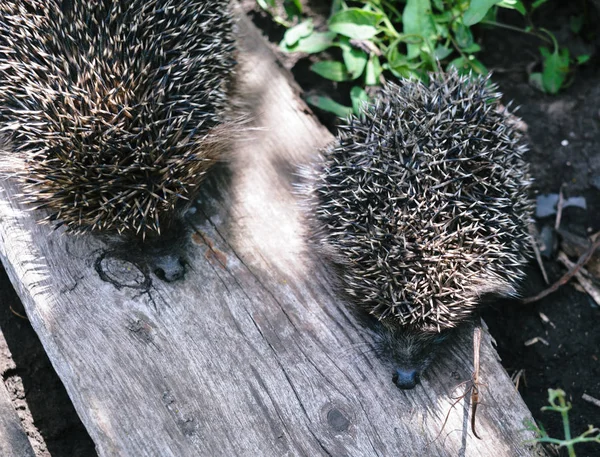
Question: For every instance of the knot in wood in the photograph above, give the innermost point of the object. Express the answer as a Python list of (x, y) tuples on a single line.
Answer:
[(122, 273), (337, 420)]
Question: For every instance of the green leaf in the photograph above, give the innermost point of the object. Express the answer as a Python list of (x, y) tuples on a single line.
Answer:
[(545, 52), (399, 64), (468, 65), (373, 71), (444, 17), (535, 5), (442, 30), (330, 69), (337, 6), (477, 66), (535, 80), (293, 8), (472, 49), (294, 34), (266, 4), (359, 97), (477, 11), (355, 23), (461, 64), (428, 60), (418, 20), (463, 35), (402, 72), (439, 4), (514, 5), (583, 58), (354, 59), (576, 23), (329, 105), (313, 43), (441, 52), (556, 67)]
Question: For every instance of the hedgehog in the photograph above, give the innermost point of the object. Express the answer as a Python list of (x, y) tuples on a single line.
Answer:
[(112, 111), (422, 203)]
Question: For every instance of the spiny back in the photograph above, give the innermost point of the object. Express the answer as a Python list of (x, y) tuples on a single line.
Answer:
[(110, 103), (423, 200)]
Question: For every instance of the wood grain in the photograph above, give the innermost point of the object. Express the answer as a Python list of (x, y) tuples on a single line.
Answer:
[(250, 353)]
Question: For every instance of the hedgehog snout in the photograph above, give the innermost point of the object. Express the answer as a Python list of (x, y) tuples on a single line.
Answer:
[(406, 378), (408, 351)]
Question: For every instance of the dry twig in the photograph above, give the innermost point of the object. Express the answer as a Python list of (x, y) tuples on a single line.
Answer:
[(592, 400), (534, 236), (473, 385), (516, 378), (559, 208), (585, 257), (583, 276), (17, 314), (475, 379)]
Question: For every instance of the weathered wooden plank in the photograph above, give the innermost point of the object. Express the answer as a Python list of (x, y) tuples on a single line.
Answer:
[(250, 353), (13, 439)]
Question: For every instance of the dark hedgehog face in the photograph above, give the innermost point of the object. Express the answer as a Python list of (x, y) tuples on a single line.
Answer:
[(409, 352)]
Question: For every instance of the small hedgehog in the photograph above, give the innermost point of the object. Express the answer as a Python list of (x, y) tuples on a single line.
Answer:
[(111, 111), (422, 202)]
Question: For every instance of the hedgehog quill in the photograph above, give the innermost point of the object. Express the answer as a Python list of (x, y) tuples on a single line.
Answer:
[(422, 202), (112, 111)]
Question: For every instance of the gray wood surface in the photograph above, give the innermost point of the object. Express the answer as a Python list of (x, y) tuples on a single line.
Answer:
[(13, 439), (250, 354)]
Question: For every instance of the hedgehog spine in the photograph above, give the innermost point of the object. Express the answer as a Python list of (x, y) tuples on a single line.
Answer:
[(423, 202), (115, 109)]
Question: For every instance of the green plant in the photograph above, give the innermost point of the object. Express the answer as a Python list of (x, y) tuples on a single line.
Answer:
[(291, 9), (556, 398), (410, 40)]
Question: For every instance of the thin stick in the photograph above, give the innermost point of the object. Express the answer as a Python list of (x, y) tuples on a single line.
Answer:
[(472, 386), (567, 276), (592, 400), (583, 277), (516, 378), (533, 237), (450, 410), (515, 29), (17, 314), (559, 208), (475, 387)]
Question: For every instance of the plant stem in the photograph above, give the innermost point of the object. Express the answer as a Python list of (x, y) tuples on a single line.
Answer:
[(564, 411), (460, 51), (386, 21), (516, 29), (392, 8)]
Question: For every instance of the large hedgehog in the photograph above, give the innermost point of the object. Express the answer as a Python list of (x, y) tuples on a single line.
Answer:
[(422, 201), (112, 110)]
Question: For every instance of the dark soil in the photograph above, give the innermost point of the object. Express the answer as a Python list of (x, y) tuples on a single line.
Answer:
[(46, 412), (570, 361), (564, 134)]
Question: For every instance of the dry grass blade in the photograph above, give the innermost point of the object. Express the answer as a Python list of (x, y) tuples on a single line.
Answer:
[(585, 257)]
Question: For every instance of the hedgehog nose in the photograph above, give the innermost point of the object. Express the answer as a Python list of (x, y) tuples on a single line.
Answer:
[(406, 379)]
